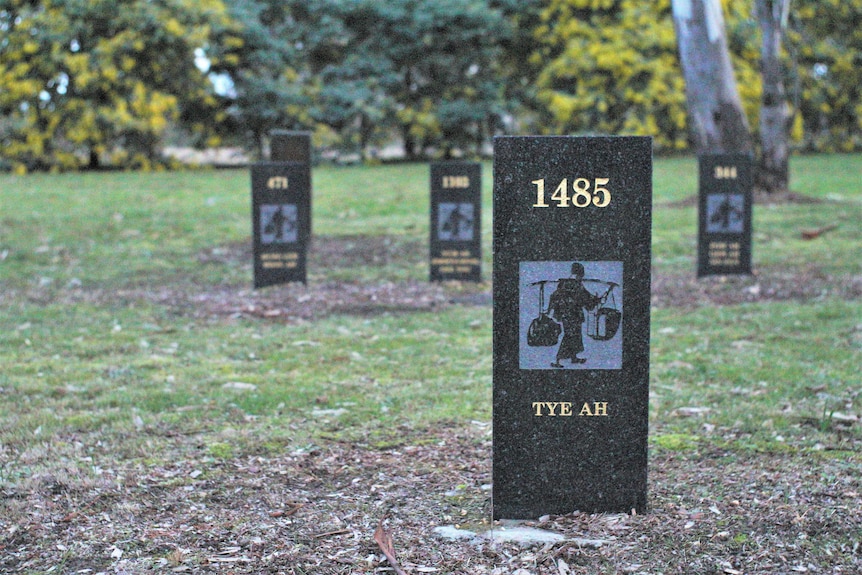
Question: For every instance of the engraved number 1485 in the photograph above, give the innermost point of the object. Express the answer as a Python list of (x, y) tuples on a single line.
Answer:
[(584, 193)]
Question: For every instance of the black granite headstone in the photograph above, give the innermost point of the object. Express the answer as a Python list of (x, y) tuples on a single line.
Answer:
[(572, 232), (289, 146), (724, 214), (456, 201), (281, 221)]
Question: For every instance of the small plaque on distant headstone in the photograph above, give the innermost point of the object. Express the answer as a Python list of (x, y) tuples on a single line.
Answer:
[(724, 222), (572, 232), (456, 200), (281, 220)]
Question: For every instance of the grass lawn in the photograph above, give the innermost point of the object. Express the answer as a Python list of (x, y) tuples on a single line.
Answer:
[(158, 414)]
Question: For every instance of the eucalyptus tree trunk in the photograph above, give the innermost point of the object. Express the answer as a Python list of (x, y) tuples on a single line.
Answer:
[(717, 120), (772, 174)]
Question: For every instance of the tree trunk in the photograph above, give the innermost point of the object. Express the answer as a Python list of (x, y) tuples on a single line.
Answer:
[(717, 120), (772, 174), (93, 160), (366, 130), (258, 135), (410, 144)]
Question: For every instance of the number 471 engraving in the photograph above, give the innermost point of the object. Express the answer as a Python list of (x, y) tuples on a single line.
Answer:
[(582, 196)]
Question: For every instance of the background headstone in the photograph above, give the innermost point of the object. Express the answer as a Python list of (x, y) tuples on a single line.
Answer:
[(281, 221), (456, 217), (724, 214), (289, 146), (572, 233)]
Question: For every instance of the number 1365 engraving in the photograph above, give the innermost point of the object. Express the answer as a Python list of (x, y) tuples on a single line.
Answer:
[(584, 193)]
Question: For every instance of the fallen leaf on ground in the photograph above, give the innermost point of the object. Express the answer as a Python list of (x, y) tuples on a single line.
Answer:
[(384, 541)]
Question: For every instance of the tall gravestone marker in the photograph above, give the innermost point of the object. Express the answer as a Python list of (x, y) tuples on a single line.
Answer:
[(572, 232), (289, 146), (281, 210), (456, 252), (724, 210)]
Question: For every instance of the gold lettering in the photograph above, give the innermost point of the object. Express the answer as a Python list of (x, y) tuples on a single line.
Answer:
[(278, 260), (582, 197), (564, 409), (454, 261), (277, 183), (456, 181), (725, 172), (552, 408), (599, 409), (724, 253), (280, 256), (585, 193)]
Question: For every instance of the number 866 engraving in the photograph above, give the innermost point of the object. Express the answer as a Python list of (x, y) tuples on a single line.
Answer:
[(582, 195)]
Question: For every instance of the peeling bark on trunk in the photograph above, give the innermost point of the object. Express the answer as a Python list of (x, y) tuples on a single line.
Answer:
[(717, 120), (772, 175)]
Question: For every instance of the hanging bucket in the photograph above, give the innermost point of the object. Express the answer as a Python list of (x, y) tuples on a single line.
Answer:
[(543, 332), (607, 324)]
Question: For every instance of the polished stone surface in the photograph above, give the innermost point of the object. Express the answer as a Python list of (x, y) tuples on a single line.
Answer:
[(572, 233), (281, 221), (724, 214), (290, 146), (456, 221)]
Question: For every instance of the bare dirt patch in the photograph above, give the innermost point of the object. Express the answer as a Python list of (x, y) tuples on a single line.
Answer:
[(343, 257), (316, 509), (766, 284), (347, 256), (334, 252)]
